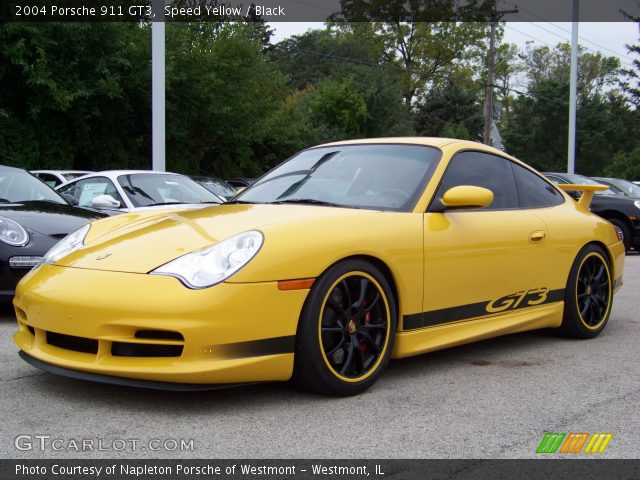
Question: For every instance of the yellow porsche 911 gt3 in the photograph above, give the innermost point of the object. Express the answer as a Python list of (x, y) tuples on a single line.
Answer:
[(344, 256)]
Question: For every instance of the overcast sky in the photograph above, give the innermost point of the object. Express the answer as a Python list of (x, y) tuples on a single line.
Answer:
[(608, 38)]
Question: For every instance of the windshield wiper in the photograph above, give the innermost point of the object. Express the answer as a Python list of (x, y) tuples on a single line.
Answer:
[(240, 202), (43, 200), (310, 201)]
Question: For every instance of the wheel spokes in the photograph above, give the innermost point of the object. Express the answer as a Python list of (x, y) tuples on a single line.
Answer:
[(348, 361), (592, 291), (364, 283), (351, 344), (336, 348)]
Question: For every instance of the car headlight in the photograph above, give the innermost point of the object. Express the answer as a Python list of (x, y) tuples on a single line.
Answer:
[(215, 264), (12, 233), (68, 244), (637, 203)]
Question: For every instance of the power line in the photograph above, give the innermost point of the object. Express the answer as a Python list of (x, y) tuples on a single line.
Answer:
[(530, 36), (553, 46), (567, 31)]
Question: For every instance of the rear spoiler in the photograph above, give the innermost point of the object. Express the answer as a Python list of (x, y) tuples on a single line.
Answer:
[(587, 193)]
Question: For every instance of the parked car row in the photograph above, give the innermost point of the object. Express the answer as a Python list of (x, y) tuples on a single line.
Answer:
[(39, 209), (224, 189), (118, 191), (619, 204)]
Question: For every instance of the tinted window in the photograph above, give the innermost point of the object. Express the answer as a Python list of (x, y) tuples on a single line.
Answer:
[(380, 177), (482, 170), (533, 191), (49, 179)]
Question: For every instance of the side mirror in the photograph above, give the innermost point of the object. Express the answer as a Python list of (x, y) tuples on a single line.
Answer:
[(70, 198), (105, 201), (467, 196)]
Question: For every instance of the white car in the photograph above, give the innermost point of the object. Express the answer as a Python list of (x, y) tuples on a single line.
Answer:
[(54, 178), (119, 191)]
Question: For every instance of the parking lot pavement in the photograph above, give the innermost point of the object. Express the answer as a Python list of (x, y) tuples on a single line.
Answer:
[(493, 399)]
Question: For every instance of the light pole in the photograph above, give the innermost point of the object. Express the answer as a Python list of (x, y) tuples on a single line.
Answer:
[(158, 87), (573, 90)]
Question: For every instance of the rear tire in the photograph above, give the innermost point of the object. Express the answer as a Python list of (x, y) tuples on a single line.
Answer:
[(588, 296), (346, 330)]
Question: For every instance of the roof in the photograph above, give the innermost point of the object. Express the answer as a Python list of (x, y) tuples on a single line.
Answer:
[(60, 171), (117, 173), (437, 142)]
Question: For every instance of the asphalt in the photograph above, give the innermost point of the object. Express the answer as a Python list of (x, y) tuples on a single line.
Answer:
[(492, 399)]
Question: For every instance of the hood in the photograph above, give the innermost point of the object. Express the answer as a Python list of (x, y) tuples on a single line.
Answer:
[(142, 241), (50, 219), (612, 201)]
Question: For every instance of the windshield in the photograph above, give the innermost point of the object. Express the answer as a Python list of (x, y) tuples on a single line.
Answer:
[(629, 188), (217, 186), (19, 186), (581, 180), (378, 177), (148, 189)]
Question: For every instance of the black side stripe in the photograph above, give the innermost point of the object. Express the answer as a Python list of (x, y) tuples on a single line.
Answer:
[(254, 348), (466, 312)]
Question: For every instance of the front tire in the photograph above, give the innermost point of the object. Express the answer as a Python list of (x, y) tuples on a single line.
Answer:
[(346, 330), (589, 294)]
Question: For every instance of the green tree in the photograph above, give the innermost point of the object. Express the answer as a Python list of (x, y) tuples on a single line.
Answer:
[(221, 92), (450, 111), (74, 95), (321, 65), (625, 165), (595, 74), (537, 132), (424, 54)]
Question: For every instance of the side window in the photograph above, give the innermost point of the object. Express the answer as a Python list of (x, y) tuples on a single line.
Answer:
[(69, 190), (86, 190), (613, 188), (482, 170), (533, 191), (49, 179)]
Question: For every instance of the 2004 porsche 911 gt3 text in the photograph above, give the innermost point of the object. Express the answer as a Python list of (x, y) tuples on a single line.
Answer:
[(342, 257)]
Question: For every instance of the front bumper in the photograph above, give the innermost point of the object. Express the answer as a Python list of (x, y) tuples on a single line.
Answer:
[(152, 328), (10, 275)]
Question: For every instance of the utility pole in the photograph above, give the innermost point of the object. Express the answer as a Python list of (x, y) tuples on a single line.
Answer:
[(573, 87), (494, 18)]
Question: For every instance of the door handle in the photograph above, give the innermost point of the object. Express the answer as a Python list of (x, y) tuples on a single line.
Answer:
[(538, 236)]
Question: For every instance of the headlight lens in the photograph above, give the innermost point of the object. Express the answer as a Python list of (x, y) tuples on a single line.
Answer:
[(68, 244), (213, 265), (637, 203), (13, 233)]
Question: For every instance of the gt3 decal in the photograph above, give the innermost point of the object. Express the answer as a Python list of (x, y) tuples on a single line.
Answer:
[(499, 306), (515, 300)]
